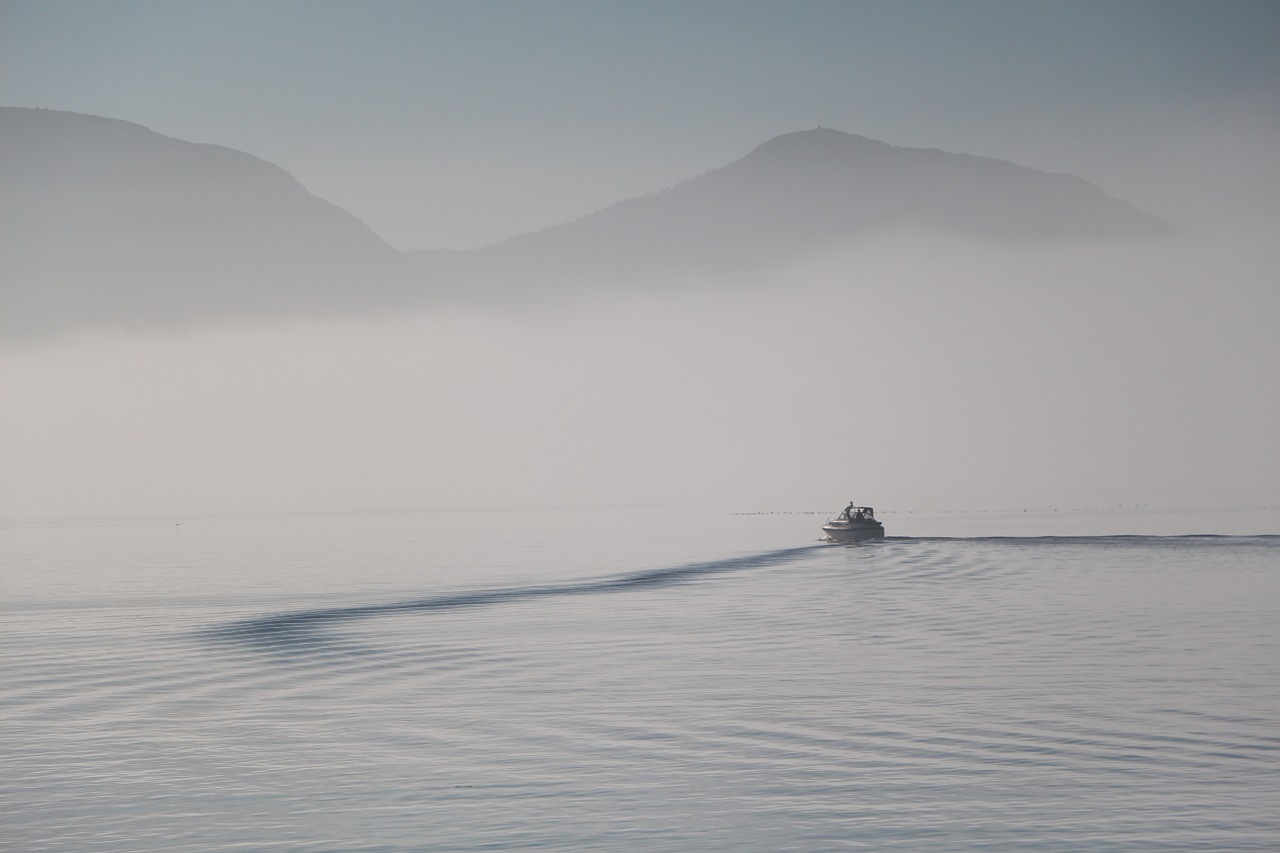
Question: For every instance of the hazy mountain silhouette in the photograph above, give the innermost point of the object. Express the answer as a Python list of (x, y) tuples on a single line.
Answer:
[(105, 222), (799, 193)]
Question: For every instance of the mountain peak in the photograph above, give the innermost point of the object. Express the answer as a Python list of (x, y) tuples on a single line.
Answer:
[(819, 142), (104, 222), (799, 194)]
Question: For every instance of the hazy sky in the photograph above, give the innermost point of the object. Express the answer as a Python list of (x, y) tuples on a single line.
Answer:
[(454, 124)]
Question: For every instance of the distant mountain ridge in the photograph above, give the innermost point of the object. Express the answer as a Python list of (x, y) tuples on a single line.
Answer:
[(799, 193), (106, 223), (103, 221)]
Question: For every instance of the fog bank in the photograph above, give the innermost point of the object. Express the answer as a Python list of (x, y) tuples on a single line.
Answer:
[(907, 372)]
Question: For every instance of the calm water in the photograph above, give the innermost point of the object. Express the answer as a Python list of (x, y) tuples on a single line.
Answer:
[(652, 680)]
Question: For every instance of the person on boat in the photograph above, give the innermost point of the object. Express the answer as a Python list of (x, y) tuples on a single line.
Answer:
[(847, 515)]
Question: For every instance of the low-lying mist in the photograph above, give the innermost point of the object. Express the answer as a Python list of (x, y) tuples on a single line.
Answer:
[(907, 371)]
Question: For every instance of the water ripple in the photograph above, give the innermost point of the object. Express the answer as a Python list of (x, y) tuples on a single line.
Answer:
[(302, 630)]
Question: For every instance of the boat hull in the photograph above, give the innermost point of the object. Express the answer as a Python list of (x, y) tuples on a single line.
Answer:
[(854, 532)]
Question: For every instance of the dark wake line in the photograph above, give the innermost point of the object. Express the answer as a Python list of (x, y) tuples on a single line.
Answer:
[(292, 628), (304, 628)]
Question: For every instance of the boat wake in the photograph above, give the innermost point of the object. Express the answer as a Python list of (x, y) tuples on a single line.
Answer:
[(312, 631), (305, 628)]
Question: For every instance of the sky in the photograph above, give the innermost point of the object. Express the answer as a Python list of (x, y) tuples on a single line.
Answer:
[(908, 374), (456, 124)]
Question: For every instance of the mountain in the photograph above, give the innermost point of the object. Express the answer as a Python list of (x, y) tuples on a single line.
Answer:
[(106, 222), (799, 193)]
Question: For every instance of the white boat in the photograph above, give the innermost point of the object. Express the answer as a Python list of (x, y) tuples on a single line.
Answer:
[(854, 524)]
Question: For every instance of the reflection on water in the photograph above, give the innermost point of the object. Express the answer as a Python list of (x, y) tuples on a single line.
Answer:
[(564, 689)]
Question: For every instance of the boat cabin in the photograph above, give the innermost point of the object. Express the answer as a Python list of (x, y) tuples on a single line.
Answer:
[(857, 513)]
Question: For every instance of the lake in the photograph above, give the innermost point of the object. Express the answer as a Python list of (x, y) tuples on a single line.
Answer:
[(671, 679)]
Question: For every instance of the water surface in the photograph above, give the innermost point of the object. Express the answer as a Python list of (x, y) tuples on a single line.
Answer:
[(640, 680)]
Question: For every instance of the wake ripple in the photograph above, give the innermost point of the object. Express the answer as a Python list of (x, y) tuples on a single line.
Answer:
[(304, 628)]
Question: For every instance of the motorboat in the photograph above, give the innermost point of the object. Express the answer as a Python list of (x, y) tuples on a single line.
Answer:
[(854, 524)]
